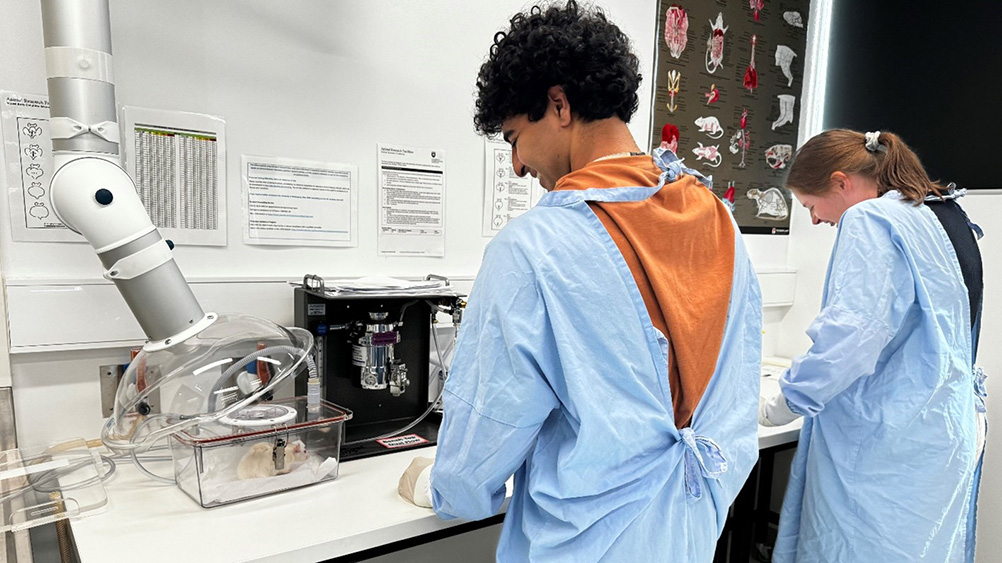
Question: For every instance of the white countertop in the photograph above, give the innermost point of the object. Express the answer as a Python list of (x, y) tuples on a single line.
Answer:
[(151, 522)]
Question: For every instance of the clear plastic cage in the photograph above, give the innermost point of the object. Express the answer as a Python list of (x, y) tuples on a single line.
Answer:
[(262, 449)]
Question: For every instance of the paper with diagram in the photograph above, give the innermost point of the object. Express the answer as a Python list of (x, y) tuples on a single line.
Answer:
[(506, 195), (29, 167)]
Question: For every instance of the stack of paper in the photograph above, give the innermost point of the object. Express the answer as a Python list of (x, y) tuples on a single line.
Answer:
[(387, 286)]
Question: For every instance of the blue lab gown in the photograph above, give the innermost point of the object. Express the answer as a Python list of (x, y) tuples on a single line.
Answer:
[(560, 378), (885, 469)]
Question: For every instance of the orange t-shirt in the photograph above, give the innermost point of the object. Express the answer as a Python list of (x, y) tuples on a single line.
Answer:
[(679, 246)]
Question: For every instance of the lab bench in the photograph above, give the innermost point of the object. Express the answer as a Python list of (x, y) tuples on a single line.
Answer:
[(357, 512), (358, 515)]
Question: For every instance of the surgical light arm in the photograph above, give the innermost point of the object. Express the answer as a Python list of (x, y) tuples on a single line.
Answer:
[(90, 191)]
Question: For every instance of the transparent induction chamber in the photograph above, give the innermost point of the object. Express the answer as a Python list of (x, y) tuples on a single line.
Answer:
[(210, 398)]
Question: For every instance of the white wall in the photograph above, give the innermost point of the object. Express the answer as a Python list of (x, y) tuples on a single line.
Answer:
[(5, 377), (306, 79), (985, 209), (314, 80), (810, 247)]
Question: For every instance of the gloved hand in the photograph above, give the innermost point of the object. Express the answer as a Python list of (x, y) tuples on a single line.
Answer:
[(415, 483), (775, 411)]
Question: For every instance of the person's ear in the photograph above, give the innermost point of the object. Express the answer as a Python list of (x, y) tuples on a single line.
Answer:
[(840, 180), (557, 100)]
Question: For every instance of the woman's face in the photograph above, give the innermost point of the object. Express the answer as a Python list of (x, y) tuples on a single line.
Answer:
[(826, 208), (845, 191)]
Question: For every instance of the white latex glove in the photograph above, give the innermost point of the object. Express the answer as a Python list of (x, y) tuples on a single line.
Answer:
[(774, 411), (415, 483)]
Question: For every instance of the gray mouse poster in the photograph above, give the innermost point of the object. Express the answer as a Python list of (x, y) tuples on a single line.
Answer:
[(728, 82)]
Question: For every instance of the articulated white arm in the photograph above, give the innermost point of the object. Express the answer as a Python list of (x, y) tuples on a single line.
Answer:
[(90, 191)]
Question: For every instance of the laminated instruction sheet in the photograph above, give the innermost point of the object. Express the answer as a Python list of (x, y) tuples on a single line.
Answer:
[(29, 168), (506, 195), (299, 202), (411, 201)]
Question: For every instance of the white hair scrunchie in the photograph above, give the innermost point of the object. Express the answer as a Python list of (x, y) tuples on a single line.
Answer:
[(872, 142)]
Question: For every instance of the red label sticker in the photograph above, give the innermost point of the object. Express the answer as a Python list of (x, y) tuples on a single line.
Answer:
[(402, 441)]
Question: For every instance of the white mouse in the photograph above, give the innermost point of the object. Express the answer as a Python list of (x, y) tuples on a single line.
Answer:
[(259, 461)]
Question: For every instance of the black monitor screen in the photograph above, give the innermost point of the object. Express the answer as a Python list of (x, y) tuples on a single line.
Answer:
[(928, 71)]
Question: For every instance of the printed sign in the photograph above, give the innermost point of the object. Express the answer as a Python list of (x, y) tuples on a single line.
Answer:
[(402, 441)]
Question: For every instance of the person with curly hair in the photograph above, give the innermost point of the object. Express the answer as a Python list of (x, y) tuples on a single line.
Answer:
[(610, 353)]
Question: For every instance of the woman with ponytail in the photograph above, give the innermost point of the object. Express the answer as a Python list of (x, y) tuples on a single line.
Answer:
[(888, 464)]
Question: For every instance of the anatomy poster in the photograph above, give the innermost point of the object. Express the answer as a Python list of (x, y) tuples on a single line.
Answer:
[(29, 167), (728, 83)]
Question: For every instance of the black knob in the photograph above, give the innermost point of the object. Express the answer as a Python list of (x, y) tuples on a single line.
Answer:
[(144, 408), (170, 244), (104, 196)]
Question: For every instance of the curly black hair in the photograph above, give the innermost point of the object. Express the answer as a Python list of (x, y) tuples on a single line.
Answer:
[(573, 47)]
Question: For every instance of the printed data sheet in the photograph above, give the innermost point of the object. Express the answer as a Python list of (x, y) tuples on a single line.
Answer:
[(411, 201), (298, 202), (178, 161)]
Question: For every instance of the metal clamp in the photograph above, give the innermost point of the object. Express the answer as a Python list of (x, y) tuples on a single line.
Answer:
[(67, 128), (138, 263), (79, 62)]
